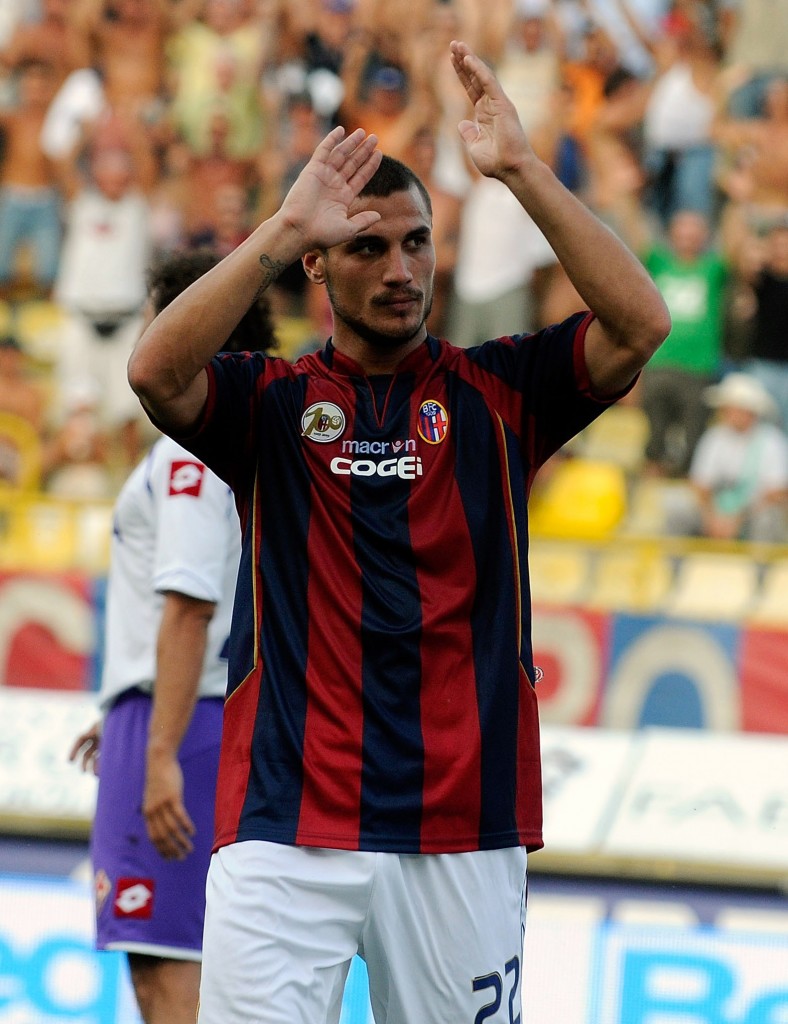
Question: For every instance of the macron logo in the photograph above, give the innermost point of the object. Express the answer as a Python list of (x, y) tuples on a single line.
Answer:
[(186, 478)]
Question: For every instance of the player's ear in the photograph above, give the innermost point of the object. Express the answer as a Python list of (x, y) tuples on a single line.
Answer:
[(314, 266)]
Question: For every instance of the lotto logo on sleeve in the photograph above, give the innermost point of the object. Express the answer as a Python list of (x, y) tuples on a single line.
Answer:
[(186, 478), (134, 898)]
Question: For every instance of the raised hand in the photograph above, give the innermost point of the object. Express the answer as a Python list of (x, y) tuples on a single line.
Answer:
[(495, 138), (317, 205)]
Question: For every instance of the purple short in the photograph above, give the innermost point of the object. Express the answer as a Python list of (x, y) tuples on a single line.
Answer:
[(144, 903)]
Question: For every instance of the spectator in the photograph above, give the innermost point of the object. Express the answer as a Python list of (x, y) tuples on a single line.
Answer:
[(29, 197), (757, 50), (21, 417), (101, 287), (210, 180), (319, 35), (679, 151), (49, 40), (11, 16), (758, 147), (499, 251), (764, 265), (739, 472), (692, 278), (215, 64), (75, 108), (171, 197), (278, 168), (126, 39), (20, 394), (421, 157), (76, 463), (387, 100), (585, 76), (529, 66), (615, 176)]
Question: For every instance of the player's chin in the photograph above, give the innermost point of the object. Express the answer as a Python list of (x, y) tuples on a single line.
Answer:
[(401, 320)]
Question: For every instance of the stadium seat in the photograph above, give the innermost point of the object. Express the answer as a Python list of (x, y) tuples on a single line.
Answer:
[(619, 436), (771, 605), (650, 501), (6, 318), (40, 534), (635, 579), (293, 333), (582, 499), (93, 525), (37, 324), (559, 572), (714, 586)]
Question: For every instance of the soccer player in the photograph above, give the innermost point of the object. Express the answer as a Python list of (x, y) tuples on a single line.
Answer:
[(380, 771), (174, 562)]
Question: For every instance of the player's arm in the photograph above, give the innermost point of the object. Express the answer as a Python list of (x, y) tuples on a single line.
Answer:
[(632, 320), (180, 651), (167, 368)]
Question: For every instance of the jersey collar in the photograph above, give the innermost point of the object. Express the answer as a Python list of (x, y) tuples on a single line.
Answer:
[(419, 359)]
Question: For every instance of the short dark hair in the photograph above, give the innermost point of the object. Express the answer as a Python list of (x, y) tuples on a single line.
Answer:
[(172, 274), (394, 176)]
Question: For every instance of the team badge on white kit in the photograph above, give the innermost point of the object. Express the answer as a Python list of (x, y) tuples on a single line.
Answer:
[(322, 422)]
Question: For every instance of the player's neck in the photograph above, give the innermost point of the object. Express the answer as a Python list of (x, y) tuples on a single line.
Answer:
[(377, 358)]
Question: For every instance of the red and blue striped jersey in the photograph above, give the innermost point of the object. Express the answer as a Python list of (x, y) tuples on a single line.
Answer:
[(381, 681)]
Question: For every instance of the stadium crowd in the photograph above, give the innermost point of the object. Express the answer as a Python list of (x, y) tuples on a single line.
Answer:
[(132, 129)]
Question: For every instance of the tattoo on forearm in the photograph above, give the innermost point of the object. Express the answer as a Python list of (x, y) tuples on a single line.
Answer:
[(271, 270)]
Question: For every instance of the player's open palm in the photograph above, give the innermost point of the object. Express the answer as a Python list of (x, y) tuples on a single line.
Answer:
[(169, 825), (318, 203), (494, 138)]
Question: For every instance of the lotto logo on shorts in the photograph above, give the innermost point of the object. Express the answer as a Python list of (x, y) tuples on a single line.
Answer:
[(134, 898), (186, 478)]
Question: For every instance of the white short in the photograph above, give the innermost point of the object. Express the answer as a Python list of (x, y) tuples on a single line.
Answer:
[(442, 935), (89, 365)]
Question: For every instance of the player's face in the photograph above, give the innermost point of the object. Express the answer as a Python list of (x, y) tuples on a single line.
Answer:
[(380, 283)]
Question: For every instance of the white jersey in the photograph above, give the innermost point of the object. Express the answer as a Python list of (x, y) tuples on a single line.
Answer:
[(175, 528)]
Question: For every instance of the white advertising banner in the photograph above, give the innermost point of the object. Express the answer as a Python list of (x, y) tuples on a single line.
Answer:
[(698, 976), (715, 798), (613, 799), (649, 959), (629, 955), (582, 775), (50, 972), (38, 786)]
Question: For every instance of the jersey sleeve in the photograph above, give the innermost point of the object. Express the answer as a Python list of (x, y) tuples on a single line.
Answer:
[(548, 374), (194, 507), (225, 436)]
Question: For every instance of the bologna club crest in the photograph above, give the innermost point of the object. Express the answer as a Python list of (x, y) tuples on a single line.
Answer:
[(433, 422)]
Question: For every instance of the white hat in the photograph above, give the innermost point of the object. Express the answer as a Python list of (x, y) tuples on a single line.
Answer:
[(742, 391)]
